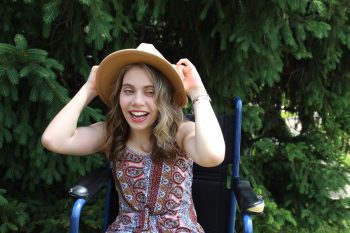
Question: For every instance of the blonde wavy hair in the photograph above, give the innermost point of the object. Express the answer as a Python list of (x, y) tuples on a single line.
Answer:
[(169, 118)]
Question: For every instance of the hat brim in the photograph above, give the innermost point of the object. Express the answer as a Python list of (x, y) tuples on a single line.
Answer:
[(111, 65)]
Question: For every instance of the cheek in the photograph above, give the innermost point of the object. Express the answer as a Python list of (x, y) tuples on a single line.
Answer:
[(122, 102), (154, 105)]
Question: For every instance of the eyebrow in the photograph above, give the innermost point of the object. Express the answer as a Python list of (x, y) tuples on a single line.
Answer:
[(129, 85)]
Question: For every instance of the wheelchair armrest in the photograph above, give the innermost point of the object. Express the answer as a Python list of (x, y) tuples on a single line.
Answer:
[(89, 185), (247, 200)]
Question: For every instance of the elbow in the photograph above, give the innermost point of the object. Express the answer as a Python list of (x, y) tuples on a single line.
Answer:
[(212, 162), (47, 141), (215, 158), (219, 154), (220, 158)]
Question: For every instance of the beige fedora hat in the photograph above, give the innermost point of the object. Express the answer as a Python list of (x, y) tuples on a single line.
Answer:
[(111, 65)]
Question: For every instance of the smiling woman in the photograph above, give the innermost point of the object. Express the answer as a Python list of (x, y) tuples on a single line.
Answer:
[(151, 146), (142, 96), (137, 100)]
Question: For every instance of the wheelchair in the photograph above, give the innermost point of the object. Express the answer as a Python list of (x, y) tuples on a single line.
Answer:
[(216, 191)]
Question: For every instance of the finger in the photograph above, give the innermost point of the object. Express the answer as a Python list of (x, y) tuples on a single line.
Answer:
[(178, 68), (184, 61)]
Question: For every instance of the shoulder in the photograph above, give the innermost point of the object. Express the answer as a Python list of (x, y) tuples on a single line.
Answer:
[(98, 126), (98, 129), (185, 131), (97, 134)]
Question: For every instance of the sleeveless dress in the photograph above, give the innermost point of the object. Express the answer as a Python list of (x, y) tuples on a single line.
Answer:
[(154, 197)]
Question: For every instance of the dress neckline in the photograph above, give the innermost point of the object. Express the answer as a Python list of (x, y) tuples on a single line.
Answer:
[(132, 150)]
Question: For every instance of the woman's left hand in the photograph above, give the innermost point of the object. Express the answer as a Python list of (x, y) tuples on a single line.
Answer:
[(190, 78)]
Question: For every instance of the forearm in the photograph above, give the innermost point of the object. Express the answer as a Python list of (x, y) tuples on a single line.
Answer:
[(203, 141), (62, 128), (209, 141)]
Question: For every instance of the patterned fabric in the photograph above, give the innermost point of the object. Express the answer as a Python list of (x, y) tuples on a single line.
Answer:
[(154, 197)]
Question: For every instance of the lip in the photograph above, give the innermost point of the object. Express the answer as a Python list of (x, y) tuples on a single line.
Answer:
[(140, 118)]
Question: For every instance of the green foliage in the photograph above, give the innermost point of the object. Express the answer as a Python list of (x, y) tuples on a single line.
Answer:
[(30, 95), (12, 213), (284, 58)]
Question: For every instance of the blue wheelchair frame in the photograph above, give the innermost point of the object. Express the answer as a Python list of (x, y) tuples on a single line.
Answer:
[(84, 195)]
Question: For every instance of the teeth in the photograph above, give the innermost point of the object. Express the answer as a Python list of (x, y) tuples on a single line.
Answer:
[(138, 113)]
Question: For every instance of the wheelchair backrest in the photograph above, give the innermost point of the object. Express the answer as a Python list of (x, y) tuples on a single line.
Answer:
[(209, 190)]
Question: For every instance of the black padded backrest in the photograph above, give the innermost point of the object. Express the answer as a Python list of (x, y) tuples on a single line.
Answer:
[(112, 202), (210, 195)]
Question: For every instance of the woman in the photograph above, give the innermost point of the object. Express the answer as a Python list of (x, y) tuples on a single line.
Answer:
[(145, 136)]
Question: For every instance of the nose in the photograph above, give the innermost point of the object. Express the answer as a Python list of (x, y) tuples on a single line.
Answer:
[(138, 99)]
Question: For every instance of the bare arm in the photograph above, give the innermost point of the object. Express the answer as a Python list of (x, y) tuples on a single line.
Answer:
[(62, 134), (202, 141)]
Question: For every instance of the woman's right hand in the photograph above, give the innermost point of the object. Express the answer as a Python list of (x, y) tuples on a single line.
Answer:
[(91, 82)]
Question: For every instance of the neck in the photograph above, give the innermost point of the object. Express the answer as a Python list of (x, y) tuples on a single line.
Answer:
[(140, 141)]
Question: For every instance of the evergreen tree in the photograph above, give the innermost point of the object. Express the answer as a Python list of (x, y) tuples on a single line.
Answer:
[(286, 59)]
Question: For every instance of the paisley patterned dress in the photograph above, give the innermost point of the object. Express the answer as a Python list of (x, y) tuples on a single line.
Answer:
[(154, 197)]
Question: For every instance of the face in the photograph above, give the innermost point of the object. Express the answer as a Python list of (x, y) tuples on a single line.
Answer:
[(137, 100)]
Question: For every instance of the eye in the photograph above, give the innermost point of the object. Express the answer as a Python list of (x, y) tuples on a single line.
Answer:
[(127, 91), (150, 93)]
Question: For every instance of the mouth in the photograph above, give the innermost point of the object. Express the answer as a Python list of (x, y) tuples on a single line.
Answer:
[(138, 115)]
